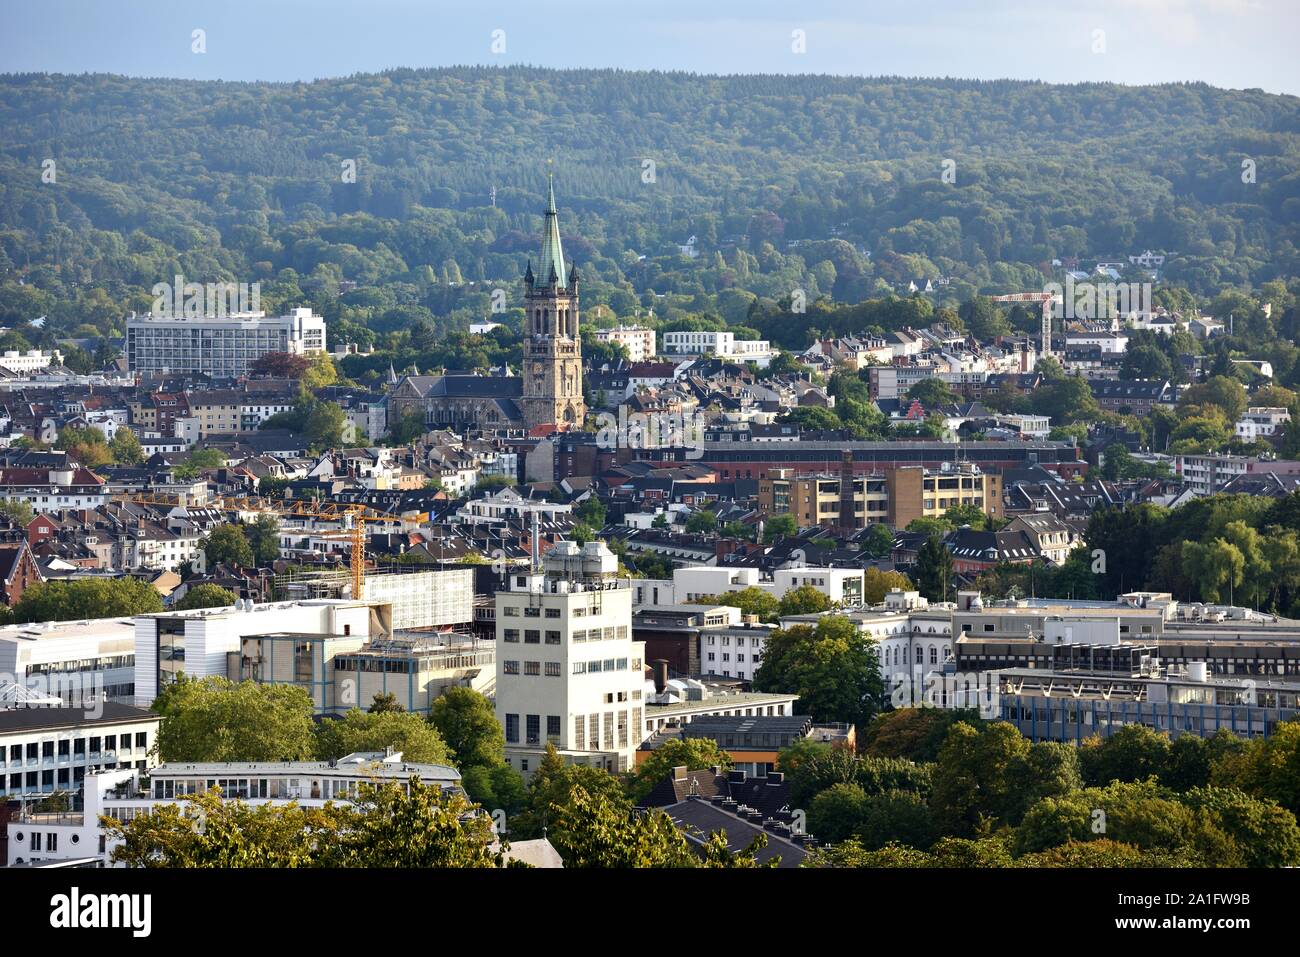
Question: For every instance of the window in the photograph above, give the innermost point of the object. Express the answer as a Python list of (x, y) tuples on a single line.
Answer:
[(512, 667), (532, 668), (552, 637), (534, 729), (510, 611), (512, 728), (552, 669), (36, 840), (553, 728), (552, 613), (512, 634), (532, 636), (532, 613)]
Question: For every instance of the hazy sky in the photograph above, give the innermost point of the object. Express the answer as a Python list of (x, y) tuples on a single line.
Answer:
[(1229, 43)]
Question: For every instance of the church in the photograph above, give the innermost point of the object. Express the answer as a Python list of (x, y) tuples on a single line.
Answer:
[(549, 393)]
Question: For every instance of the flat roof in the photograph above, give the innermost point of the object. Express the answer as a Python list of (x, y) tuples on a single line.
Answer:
[(366, 769), (15, 720), (741, 699)]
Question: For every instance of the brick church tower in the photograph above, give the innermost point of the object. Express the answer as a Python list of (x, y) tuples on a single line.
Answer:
[(552, 392)]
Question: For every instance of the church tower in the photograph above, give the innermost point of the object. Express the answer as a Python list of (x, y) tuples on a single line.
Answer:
[(552, 391)]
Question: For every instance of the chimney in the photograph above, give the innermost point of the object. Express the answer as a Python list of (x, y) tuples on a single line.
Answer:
[(660, 668), (679, 773), (735, 777), (775, 778)]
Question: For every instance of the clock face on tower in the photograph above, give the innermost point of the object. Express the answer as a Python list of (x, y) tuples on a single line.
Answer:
[(538, 368)]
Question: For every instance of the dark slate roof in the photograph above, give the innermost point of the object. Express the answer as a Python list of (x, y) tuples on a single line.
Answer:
[(47, 719), (698, 819)]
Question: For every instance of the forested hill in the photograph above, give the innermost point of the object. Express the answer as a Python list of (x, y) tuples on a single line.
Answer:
[(244, 181)]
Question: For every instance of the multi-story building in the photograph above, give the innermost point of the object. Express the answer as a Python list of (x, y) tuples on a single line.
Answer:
[(33, 360), (122, 795), (724, 345), (895, 496), (568, 672), (202, 642), (1261, 422), (48, 489), (637, 340), (219, 347), (72, 660), (49, 749)]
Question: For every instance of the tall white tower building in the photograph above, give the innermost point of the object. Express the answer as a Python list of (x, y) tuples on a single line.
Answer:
[(568, 672)]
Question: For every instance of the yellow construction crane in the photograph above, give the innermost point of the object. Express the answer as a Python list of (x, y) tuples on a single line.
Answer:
[(353, 518)]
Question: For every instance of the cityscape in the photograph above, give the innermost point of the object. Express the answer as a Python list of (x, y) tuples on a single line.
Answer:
[(510, 462)]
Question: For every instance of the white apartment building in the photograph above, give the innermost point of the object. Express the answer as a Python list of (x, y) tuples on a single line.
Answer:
[(1260, 422), (119, 794), (690, 583), (33, 360), (735, 651), (219, 347), (724, 345), (47, 490), (638, 341), (568, 672), (49, 749), (71, 660)]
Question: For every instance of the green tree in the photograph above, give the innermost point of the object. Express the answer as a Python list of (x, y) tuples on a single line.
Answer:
[(876, 584), (213, 719), (17, 511), (694, 754), (702, 523), (972, 782), (468, 723), (89, 598), (125, 448), (385, 701), (411, 825), (205, 596), (779, 526), (402, 731), (751, 601), (591, 511), (838, 812), (804, 600), (263, 538), (831, 667), (228, 545), (1133, 753), (934, 576)]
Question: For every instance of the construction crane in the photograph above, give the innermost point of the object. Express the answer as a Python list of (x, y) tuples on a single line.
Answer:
[(1046, 299), (352, 516)]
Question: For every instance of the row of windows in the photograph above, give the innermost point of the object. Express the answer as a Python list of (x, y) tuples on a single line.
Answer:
[(533, 668), (76, 746)]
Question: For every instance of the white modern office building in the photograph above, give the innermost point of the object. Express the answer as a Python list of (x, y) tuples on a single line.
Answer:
[(119, 794), (222, 347), (568, 672), (72, 660), (200, 643), (724, 345)]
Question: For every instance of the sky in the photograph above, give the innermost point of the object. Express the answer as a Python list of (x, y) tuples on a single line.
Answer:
[(1228, 43)]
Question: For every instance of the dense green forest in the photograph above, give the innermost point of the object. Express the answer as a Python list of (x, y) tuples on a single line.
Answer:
[(833, 185)]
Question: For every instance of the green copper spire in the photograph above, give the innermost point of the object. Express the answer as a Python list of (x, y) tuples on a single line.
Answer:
[(552, 255)]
